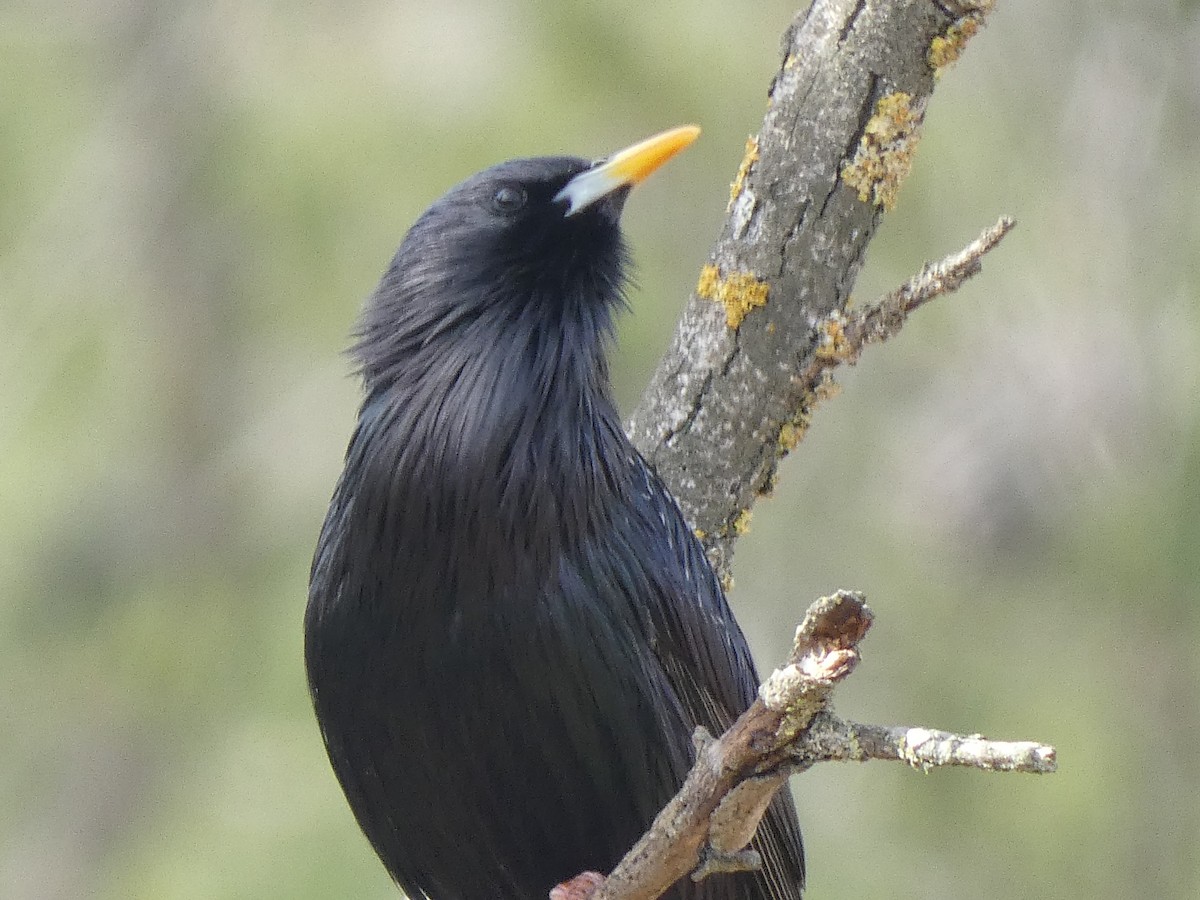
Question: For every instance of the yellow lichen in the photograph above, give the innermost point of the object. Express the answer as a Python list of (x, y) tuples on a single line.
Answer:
[(832, 343), (741, 522), (739, 292), (826, 389), (792, 432), (748, 159), (884, 155), (710, 277), (945, 49), (766, 490), (790, 436), (700, 533)]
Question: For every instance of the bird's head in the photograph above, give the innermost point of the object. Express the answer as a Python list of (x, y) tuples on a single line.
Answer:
[(527, 246)]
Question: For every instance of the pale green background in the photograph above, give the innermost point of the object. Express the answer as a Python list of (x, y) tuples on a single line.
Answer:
[(194, 199)]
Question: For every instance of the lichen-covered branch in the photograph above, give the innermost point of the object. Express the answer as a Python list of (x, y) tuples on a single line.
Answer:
[(705, 828), (831, 739), (841, 336), (847, 103), (884, 317), (765, 324)]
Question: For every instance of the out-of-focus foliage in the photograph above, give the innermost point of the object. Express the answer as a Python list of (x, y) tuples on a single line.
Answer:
[(194, 198)]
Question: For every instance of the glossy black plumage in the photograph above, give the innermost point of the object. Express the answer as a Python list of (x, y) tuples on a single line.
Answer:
[(511, 630)]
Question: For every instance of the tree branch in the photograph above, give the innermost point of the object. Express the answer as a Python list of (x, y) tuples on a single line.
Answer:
[(751, 356), (841, 337), (706, 826), (831, 739), (733, 393)]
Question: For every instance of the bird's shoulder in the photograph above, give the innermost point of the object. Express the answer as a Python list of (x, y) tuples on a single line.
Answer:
[(701, 648), (677, 597)]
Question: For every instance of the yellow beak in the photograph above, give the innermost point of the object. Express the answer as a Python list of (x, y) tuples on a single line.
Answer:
[(625, 168)]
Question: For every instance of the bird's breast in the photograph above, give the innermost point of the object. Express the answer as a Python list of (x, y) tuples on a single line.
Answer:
[(454, 507)]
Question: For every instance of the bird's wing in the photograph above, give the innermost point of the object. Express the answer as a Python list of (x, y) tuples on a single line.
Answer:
[(708, 663)]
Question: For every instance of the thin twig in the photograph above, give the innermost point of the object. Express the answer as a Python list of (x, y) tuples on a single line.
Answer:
[(830, 739), (841, 336), (933, 280)]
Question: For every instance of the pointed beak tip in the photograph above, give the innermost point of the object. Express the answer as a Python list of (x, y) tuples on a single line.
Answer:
[(637, 162), (627, 167)]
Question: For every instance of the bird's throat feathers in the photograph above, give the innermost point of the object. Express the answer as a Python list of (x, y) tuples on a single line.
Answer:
[(490, 416), (425, 314)]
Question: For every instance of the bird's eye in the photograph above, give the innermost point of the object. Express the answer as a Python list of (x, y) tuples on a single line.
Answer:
[(508, 199)]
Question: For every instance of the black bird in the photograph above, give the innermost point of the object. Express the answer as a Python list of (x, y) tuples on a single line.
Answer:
[(511, 630)]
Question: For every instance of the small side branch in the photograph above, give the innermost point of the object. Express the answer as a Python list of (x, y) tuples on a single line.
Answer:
[(946, 276), (831, 739), (842, 336), (707, 826), (884, 318)]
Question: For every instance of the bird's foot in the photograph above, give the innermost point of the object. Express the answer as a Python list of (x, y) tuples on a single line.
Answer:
[(578, 888), (713, 861)]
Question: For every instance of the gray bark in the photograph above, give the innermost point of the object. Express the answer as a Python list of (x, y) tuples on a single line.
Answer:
[(729, 398)]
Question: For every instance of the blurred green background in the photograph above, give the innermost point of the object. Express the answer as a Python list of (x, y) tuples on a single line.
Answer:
[(194, 199)]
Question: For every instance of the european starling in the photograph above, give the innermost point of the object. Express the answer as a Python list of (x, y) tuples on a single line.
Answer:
[(511, 630)]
